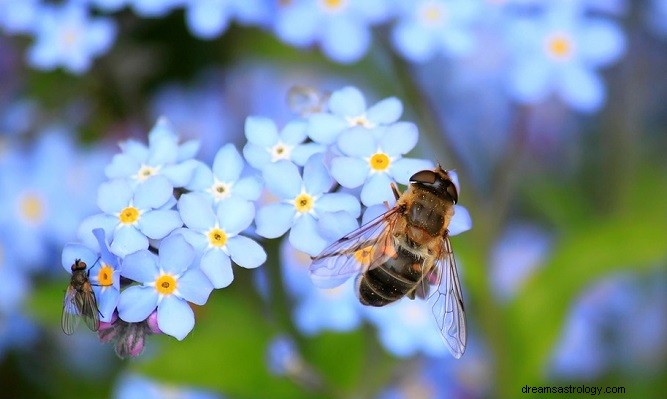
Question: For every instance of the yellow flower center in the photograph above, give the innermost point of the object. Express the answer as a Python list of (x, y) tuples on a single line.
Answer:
[(432, 14), (165, 284), (129, 215), (379, 162), (333, 5), (560, 46), (303, 203), (280, 151), (146, 171), (32, 208), (69, 37), (364, 255), (104, 276), (217, 237), (360, 120)]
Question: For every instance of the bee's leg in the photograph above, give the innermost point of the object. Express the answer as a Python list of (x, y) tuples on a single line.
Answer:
[(394, 189)]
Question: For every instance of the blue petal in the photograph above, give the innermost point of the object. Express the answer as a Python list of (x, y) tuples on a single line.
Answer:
[(114, 196), (256, 156), (246, 252), (373, 212), (283, 179), (349, 172), (294, 132), (128, 240), (402, 169), (140, 266), (202, 178), (235, 215), (386, 111), (324, 128), (460, 222), (399, 138), (357, 142), (347, 101), (345, 40), (106, 222), (334, 225), (413, 42), (121, 166), (301, 153), (195, 287), (305, 237), (274, 220), (338, 202), (180, 175), (136, 303), (176, 254), (377, 190), (261, 131), (108, 303), (530, 80), (228, 164), (153, 193), (217, 266), (163, 143), (72, 252), (175, 317), (207, 19), (196, 211), (601, 43), (135, 149), (582, 89), (198, 240), (316, 179), (157, 224), (249, 188), (106, 255)]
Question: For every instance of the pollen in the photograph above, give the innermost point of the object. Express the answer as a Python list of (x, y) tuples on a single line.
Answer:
[(146, 171), (105, 275), (280, 151), (560, 46), (165, 284), (32, 207), (217, 237), (333, 5), (360, 120), (221, 190), (304, 203), (364, 255), (379, 162), (129, 215), (432, 14)]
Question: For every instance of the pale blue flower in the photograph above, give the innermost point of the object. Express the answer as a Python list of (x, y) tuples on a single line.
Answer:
[(210, 18), (302, 205), (19, 16), (154, 8), (169, 281), (656, 16), (216, 235)]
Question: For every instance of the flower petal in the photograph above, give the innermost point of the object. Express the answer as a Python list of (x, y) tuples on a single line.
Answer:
[(305, 237), (399, 138), (316, 178), (195, 287), (235, 215), (140, 266), (303, 152), (176, 254), (274, 220), (377, 190), (338, 202), (228, 164), (357, 142), (349, 172), (180, 175), (72, 252), (348, 101), (283, 179), (157, 224), (196, 211), (153, 193), (128, 240), (294, 132), (460, 222), (114, 196), (136, 303), (324, 128), (582, 89), (256, 156), (404, 168), (246, 252), (249, 188), (386, 111), (261, 131), (217, 266), (175, 317)]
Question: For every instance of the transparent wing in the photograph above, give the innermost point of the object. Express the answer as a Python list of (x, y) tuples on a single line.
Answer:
[(448, 307), (71, 313), (89, 310), (361, 250)]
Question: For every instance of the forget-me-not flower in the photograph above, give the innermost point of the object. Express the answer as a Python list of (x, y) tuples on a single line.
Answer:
[(67, 36), (133, 215), (303, 203), (19, 16), (347, 109), (216, 235), (208, 19), (376, 162), (266, 145), (169, 281)]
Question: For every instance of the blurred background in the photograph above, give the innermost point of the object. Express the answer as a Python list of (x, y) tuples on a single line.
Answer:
[(551, 111)]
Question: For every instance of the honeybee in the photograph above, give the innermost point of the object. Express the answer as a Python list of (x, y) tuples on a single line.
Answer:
[(80, 301), (404, 252)]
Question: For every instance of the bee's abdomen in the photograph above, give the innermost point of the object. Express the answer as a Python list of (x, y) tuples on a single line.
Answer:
[(390, 281)]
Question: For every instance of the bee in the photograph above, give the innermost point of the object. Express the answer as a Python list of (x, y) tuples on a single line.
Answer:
[(80, 301), (405, 252)]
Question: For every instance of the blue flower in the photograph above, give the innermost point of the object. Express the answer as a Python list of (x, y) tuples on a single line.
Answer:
[(266, 145), (210, 18), (153, 8), (16, 284), (66, 36), (342, 28), (168, 281), (216, 235), (427, 28), (224, 181), (109, 5), (163, 156), (303, 205), (138, 387), (133, 215), (559, 52), (347, 109), (376, 162), (19, 16), (656, 16)]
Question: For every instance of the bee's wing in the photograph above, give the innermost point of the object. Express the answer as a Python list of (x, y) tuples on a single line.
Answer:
[(89, 310), (71, 313), (358, 251), (448, 307)]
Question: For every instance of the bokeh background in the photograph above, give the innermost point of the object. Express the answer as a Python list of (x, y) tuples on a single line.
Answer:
[(551, 111)]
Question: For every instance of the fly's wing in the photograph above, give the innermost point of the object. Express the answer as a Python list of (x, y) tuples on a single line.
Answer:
[(361, 250), (448, 307), (71, 312), (88, 305)]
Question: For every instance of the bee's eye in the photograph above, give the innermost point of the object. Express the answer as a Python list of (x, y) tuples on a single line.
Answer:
[(451, 190), (424, 176)]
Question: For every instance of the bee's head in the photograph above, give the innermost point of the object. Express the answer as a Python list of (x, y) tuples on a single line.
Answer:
[(437, 181)]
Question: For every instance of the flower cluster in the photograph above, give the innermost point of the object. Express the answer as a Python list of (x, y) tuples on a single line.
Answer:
[(171, 227)]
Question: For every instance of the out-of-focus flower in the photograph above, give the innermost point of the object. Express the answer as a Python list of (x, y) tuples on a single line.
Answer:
[(341, 27), (133, 215), (67, 36), (266, 145), (163, 156), (208, 19), (559, 51), (16, 284), (346, 110), (168, 281), (303, 203), (19, 16), (16, 331), (656, 16), (109, 5), (154, 8), (376, 162), (216, 235), (137, 387), (18, 117), (427, 28)]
